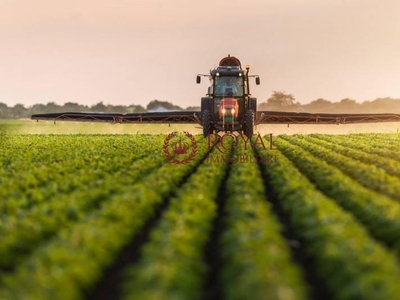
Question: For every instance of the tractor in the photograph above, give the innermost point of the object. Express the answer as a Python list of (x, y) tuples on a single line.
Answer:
[(228, 106)]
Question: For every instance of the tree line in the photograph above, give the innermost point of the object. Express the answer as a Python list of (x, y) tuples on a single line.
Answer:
[(279, 101), (20, 111), (282, 101)]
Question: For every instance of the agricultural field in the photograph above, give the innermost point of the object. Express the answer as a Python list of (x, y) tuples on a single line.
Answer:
[(120, 216), (27, 126)]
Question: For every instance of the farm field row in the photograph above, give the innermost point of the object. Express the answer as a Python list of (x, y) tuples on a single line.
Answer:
[(110, 217)]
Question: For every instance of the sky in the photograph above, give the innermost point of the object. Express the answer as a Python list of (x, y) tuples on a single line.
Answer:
[(126, 52)]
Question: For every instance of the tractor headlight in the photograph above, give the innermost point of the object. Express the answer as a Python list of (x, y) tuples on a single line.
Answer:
[(233, 111), (223, 111)]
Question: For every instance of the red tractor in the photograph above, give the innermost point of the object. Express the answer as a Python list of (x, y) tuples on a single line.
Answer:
[(228, 106)]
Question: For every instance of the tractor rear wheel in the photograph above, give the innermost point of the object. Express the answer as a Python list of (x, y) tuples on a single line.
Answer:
[(249, 123), (206, 122)]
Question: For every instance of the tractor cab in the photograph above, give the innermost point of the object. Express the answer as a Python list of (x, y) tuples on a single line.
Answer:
[(227, 105)]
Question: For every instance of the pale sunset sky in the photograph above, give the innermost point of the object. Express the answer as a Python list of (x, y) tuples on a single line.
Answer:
[(132, 52)]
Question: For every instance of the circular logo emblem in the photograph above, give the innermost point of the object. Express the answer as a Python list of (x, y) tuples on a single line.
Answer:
[(180, 148)]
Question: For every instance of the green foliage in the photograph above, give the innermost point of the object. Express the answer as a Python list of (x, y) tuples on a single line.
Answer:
[(369, 175), (72, 260), (70, 203), (256, 258), (37, 204), (381, 148), (346, 258), (380, 214), (178, 271)]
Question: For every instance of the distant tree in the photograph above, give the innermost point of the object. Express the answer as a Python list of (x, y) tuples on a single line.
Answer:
[(319, 105), (116, 108), (20, 111), (74, 107), (53, 107), (164, 104), (347, 106), (280, 101), (15, 112), (99, 107), (135, 108), (4, 111), (38, 109), (382, 105)]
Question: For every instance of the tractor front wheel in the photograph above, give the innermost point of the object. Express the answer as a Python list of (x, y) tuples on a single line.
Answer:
[(249, 123), (206, 122)]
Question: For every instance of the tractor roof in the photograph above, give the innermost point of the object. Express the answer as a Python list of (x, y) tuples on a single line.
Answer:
[(230, 61), (228, 66)]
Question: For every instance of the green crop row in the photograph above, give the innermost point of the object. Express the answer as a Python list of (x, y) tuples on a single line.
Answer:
[(377, 145), (179, 269), (256, 259), (389, 139), (378, 213), (71, 262), (351, 264), (22, 228), (20, 233), (386, 145), (390, 166), (368, 175), (36, 169)]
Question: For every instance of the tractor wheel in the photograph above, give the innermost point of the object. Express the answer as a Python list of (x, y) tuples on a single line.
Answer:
[(206, 122), (253, 105), (249, 123)]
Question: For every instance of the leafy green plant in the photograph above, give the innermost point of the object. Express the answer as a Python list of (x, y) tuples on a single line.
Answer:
[(172, 264), (368, 175), (379, 214), (346, 258), (256, 259)]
